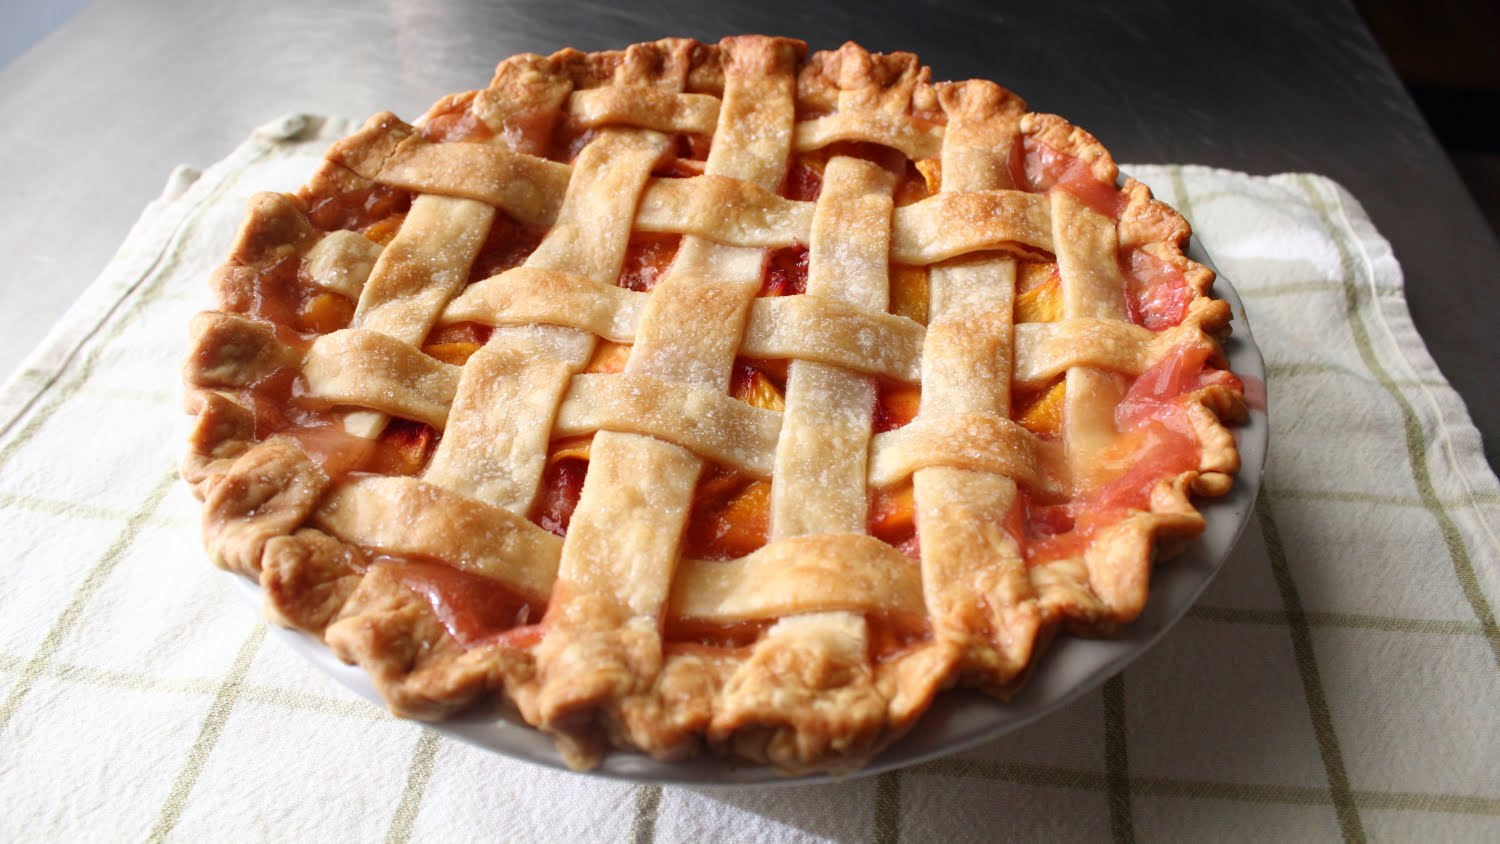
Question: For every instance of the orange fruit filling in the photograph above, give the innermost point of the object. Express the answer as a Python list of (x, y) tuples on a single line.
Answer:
[(896, 405), (456, 343), (752, 386), (382, 231), (471, 606), (691, 153), (456, 123), (323, 313), (785, 273), (910, 292), (646, 259), (1042, 303), (455, 353), (730, 517), (893, 514), (403, 448), (1041, 413), (932, 174), (572, 448), (354, 210), (803, 182), (507, 245), (608, 357), (562, 483)]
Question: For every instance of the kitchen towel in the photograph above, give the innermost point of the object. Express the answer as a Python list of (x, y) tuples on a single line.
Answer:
[(1341, 678)]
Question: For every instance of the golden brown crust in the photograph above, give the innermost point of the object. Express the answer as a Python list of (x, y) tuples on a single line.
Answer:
[(806, 698), (223, 429), (392, 633), (230, 351), (307, 578), (269, 491), (804, 695)]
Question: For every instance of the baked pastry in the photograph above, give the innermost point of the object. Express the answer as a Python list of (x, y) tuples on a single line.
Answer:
[(708, 396)]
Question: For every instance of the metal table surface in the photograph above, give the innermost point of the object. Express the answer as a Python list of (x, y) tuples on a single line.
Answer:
[(103, 107)]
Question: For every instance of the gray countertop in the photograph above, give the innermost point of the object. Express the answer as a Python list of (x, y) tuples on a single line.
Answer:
[(105, 106)]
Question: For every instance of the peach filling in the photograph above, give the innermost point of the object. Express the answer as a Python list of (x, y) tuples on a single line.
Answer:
[(354, 210), (785, 272), (1157, 441), (508, 244), (473, 608), (1156, 293), (282, 297), (647, 258), (454, 122)]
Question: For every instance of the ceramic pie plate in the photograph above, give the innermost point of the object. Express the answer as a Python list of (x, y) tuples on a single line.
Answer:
[(958, 720)]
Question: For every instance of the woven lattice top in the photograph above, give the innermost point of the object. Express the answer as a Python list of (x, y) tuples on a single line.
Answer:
[(707, 394)]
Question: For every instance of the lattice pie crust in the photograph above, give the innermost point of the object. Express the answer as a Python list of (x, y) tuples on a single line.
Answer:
[(871, 384)]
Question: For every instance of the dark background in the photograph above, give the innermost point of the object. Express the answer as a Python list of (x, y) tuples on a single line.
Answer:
[(1447, 53)]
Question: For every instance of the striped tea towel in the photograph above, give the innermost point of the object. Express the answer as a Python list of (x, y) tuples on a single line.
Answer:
[(1340, 679)]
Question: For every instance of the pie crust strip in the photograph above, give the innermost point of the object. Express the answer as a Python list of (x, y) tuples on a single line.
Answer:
[(820, 483), (979, 597), (604, 640)]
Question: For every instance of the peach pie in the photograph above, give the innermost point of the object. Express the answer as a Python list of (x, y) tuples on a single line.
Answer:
[(711, 397)]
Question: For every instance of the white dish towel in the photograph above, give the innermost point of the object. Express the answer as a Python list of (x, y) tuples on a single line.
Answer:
[(1340, 679)]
